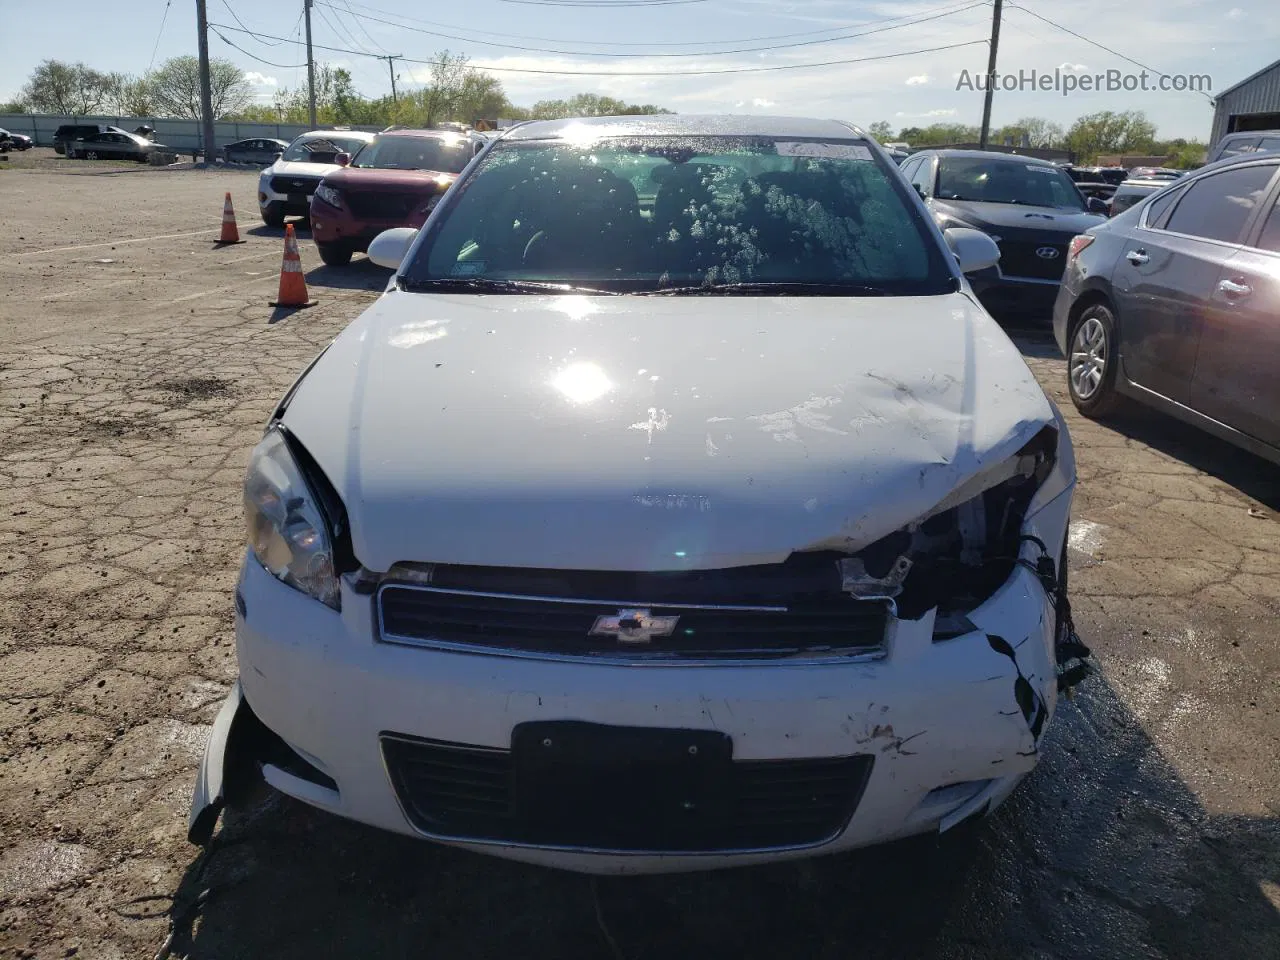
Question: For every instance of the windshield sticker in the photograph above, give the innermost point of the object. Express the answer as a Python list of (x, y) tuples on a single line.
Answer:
[(829, 151), (1036, 168), (469, 268)]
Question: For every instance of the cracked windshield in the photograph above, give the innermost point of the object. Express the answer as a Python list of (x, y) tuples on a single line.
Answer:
[(666, 214)]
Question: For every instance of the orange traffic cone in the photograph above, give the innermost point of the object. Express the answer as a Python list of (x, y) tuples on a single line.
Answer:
[(293, 288), (230, 234)]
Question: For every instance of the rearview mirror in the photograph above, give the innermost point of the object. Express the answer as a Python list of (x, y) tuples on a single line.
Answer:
[(342, 159), (1096, 205), (388, 248), (974, 250)]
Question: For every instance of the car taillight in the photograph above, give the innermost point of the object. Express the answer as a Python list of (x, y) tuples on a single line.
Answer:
[(1077, 244)]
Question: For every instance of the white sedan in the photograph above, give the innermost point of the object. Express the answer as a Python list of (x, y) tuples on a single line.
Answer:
[(676, 507)]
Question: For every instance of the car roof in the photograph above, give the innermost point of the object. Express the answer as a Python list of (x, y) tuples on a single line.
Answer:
[(989, 155), (425, 134), (717, 125)]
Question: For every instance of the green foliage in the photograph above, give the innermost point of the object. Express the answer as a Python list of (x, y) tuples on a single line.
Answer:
[(71, 89), (13, 106), (938, 133), (881, 131), (590, 105), (1109, 132)]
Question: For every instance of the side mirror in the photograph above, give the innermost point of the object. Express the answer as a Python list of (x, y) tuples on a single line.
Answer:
[(974, 250), (1096, 205), (343, 159), (388, 248)]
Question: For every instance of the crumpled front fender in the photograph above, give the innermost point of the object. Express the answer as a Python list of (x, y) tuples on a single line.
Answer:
[(218, 767)]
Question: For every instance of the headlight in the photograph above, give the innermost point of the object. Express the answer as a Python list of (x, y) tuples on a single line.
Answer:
[(960, 552), (329, 195), (286, 525)]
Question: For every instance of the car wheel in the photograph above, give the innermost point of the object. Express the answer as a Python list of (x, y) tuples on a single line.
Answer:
[(91, 154), (335, 254), (273, 215), (1092, 362)]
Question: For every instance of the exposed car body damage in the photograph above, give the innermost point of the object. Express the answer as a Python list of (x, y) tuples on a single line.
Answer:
[(517, 371)]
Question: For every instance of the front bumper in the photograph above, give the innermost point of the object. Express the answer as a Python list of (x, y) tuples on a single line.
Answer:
[(931, 714), (998, 292), (290, 205), (333, 225)]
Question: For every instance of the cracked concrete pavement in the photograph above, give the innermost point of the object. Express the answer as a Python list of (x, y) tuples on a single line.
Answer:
[(137, 366)]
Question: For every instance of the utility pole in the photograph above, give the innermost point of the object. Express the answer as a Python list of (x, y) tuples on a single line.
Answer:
[(208, 145), (311, 63), (991, 77), (391, 59)]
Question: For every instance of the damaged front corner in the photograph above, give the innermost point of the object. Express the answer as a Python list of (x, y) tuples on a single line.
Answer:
[(855, 581), (216, 768)]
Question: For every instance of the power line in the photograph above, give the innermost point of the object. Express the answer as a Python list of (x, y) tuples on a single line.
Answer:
[(343, 35), (159, 34), (643, 43), (1100, 46), (359, 24), (707, 53), (242, 23), (642, 73), (283, 66)]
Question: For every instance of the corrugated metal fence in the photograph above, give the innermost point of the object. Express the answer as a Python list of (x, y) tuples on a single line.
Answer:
[(182, 135)]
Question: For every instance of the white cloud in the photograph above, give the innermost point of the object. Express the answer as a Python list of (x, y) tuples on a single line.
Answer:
[(1235, 13), (928, 113), (1069, 67), (918, 80), (762, 103), (261, 79)]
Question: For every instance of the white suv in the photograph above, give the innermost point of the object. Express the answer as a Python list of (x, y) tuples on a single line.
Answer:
[(285, 187)]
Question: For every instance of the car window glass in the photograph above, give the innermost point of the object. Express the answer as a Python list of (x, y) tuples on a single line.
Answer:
[(1269, 239), (641, 214), (415, 153), (1269, 143), (922, 174), (908, 168), (1159, 207), (1012, 181), (322, 149), (1218, 207), (1236, 147)]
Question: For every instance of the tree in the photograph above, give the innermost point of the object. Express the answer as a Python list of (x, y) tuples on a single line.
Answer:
[(70, 89), (1109, 132), (938, 133), (881, 131), (1038, 131), (13, 106), (132, 96), (590, 105), (175, 88), (440, 97), (481, 97)]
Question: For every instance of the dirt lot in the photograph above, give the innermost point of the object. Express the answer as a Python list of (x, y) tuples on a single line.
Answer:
[(137, 365)]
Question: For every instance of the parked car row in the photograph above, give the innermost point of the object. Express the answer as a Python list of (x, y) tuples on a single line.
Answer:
[(14, 141)]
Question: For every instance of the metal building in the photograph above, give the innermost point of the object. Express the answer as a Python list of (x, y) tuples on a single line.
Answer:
[(1252, 104)]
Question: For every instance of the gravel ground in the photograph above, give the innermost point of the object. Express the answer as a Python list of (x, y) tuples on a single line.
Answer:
[(137, 366)]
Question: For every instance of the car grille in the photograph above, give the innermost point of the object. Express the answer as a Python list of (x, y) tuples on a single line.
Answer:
[(385, 206), (303, 185), (1021, 260), (787, 610), (462, 792)]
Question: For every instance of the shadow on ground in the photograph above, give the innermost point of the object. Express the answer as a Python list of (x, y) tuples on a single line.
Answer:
[(1102, 853), (360, 274), (1250, 474)]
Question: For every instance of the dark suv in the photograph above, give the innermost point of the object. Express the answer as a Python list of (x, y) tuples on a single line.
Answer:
[(70, 132)]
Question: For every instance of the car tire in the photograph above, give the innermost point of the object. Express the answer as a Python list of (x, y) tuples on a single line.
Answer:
[(335, 254), (273, 215), (1093, 362), (91, 154)]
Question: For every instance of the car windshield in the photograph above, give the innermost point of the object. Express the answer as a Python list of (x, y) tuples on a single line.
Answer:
[(441, 154), (683, 214), (1006, 181), (322, 149)]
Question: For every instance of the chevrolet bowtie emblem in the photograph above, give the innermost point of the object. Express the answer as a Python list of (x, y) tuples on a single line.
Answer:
[(633, 626)]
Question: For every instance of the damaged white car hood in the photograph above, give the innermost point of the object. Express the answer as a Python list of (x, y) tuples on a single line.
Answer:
[(299, 168), (655, 433)]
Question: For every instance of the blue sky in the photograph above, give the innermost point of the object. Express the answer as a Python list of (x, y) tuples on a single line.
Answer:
[(1226, 40)]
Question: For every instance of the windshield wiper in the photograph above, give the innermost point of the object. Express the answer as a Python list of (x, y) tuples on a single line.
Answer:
[(489, 285), (780, 288)]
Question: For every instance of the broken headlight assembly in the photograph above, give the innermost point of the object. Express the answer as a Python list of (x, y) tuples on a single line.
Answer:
[(957, 555), (296, 525)]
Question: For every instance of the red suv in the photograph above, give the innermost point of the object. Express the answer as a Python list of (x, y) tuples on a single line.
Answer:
[(393, 181)]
